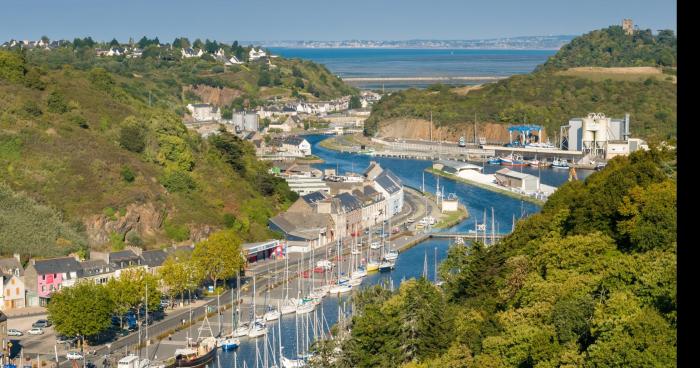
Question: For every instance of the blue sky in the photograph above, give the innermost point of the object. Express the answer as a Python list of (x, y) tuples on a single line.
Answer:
[(228, 20)]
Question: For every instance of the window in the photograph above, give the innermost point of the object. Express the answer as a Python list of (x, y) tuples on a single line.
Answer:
[(7, 292), (12, 282), (16, 291)]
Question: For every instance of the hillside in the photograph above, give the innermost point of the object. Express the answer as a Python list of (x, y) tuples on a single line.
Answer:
[(550, 96), (611, 47), (86, 145), (590, 281)]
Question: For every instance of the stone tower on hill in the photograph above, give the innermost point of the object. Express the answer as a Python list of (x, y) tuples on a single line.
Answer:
[(628, 26)]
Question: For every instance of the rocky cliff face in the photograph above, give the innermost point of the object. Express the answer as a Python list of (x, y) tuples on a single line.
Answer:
[(145, 220), (406, 128), (212, 95)]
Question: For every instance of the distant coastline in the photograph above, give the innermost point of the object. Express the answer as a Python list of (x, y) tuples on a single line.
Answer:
[(504, 43)]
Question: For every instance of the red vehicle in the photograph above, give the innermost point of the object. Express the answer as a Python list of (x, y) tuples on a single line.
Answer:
[(319, 270)]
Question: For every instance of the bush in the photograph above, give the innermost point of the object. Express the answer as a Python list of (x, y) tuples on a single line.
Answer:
[(132, 135), (127, 174), (31, 108), (56, 103), (33, 80), (178, 181), (134, 239), (176, 232), (11, 67), (116, 240)]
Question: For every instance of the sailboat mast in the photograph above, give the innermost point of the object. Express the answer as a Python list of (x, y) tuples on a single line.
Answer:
[(493, 228)]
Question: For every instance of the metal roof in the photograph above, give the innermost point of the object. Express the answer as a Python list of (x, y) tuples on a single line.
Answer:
[(514, 174), (56, 265)]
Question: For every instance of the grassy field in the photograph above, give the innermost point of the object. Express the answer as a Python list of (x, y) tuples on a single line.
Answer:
[(628, 74)]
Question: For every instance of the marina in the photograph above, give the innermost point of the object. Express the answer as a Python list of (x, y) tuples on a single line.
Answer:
[(298, 330)]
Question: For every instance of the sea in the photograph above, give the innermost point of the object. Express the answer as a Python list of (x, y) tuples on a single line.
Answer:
[(411, 63)]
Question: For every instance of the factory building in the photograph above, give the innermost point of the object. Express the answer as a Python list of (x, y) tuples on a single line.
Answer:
[(598, 136)]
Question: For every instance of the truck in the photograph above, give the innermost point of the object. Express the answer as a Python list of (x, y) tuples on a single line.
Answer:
[(462, 142)]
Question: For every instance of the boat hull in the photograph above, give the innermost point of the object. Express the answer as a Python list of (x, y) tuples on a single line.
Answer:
[(194, 363)]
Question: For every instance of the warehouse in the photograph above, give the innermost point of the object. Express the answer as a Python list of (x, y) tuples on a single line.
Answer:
[(514, 179)]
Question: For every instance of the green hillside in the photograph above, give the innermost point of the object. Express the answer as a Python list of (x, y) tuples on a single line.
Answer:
[(588, 282), (611, 47), (86, 142), (550, 97)]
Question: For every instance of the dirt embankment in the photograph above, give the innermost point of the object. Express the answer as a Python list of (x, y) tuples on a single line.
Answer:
[(213, 95), (407, 128)]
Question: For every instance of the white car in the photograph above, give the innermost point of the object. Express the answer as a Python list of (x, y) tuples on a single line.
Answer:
[(36, 331), (14, 332), (74, 355)]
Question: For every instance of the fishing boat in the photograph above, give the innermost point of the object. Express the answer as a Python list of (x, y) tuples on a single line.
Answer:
[(196, 356), (493, 160), (560, 164), (386, 266), (513, 160)]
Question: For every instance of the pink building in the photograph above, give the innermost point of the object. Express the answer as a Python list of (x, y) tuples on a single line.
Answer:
[(43, 277)]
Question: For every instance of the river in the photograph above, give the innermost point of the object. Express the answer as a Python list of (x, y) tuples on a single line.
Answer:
[(410, 263)]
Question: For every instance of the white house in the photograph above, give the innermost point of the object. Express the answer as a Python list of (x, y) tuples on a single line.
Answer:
[(13, 294), (391, 188), (233, 60), (204, 112), (190, 53), (296, 146), (256, 54), (115, 51)]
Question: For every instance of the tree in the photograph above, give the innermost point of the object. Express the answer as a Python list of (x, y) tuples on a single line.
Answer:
[(56, 103), (128, 291), (114, 42), (11, 67), (179, 274), (84, 309), (198, 44), (355, 102), (132, 135), (219, 257)]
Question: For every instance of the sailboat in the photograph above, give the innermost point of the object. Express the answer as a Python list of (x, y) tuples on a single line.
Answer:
[(341, 285), (258, 327), (372, 265), (230, 342), (289, 305)]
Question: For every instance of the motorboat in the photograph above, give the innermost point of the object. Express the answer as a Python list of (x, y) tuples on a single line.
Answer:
[(375, 245), (560, 164), (493, 160), (228, 343), (391, 255), (386, 266), (355, 282), (292, 363), (341, 287), (513, 160)]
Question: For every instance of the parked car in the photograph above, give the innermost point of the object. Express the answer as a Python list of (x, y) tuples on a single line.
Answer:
[(42, 323), (164, 303), (14, 332), (74, 355), (62, 339), (36, 331)]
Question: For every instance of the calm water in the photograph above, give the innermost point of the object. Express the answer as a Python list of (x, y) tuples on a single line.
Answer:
[(420, 63), (409, 264)]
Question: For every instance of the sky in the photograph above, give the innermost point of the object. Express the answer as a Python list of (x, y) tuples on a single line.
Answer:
[(322, 20)]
